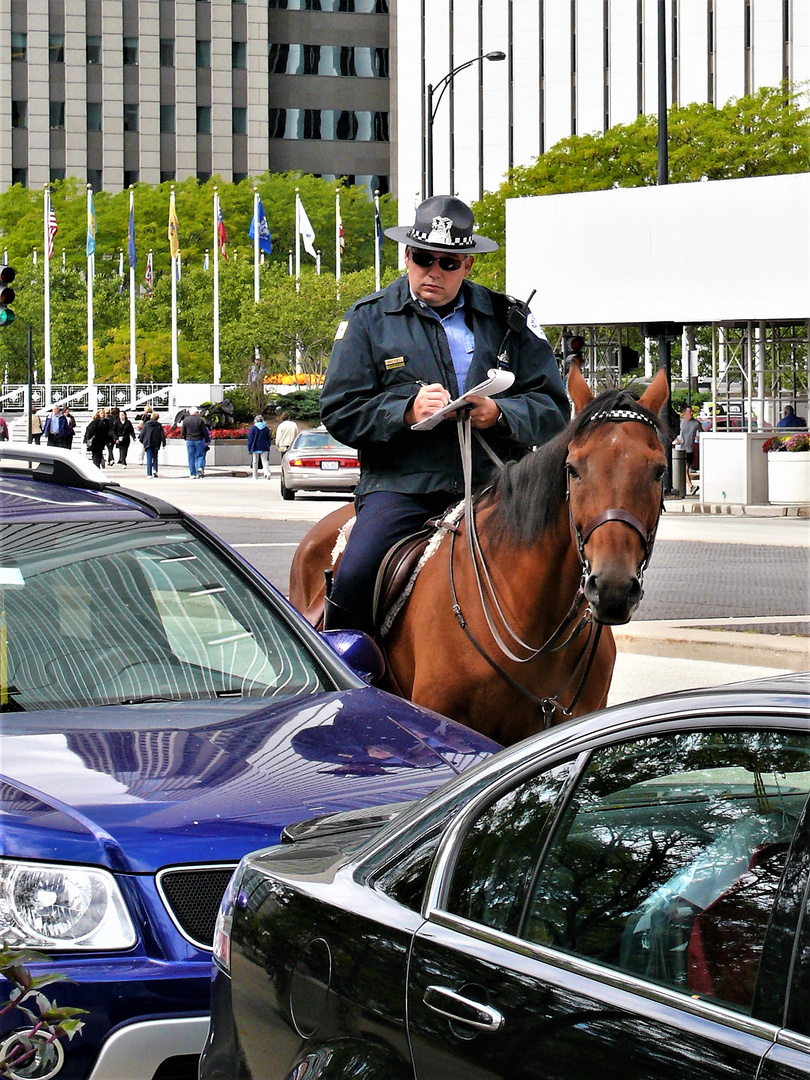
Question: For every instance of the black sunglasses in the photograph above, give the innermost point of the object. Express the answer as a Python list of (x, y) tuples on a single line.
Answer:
[(421, 258)]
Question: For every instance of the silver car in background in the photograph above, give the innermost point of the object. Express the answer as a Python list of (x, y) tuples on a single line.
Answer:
[(318, 462)]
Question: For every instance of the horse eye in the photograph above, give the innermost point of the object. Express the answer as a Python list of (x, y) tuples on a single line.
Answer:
[(659, 472), (572, 472)]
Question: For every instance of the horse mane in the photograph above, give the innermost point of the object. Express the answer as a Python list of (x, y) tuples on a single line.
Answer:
[(525, 497)]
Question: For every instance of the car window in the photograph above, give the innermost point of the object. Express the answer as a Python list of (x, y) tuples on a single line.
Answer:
[(501, 849), (317, 440), (667, 859), (406, 880), (121, 611)]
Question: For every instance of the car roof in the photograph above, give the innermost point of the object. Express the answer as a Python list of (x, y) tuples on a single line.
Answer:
[(38, 483)]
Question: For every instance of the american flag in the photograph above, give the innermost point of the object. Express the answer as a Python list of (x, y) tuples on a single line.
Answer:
[(148, 274), (53, 229), (223, 237)]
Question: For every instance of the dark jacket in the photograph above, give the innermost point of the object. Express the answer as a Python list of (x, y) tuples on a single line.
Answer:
[(126, 432), (152, 435), (97, 433), (193, 427), (259, 439), (387, 345), (55, 427)]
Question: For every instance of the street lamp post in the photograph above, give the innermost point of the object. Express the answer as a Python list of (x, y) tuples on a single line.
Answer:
[(431, 109)]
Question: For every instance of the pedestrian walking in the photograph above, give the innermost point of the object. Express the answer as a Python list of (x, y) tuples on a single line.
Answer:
[(126, 433), (112, 435), (54, 428), (153, 438), (96, 435), (285, 433), (3, 430), (195, 431), (34, 427), (70, 430), (258, 444), (686, 440)]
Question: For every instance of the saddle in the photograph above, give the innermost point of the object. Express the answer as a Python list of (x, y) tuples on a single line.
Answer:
[(396, 571)]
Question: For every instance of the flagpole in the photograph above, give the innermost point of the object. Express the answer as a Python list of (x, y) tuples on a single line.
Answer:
[(46, 206), (133, 361), (376, 241), (337, 235), (217, 369), (175, 363), (256, 224), (91, 268), (297, 242)]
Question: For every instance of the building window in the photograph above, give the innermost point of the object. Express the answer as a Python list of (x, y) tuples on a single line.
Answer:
[(131, 51), (238, 177), (94, 50), (342, 125), (19, 114), (19, 46), (203, 119), (94, 178), (345, 60), (204, 177), (203, 54), (56, 48), (167, 123), (167, 52), (130, 117), (239, 121), (166, 175), (57, 114), (131, 177), (19, 176), (239, 54), (94, 116), (371, 7), (57, 174)]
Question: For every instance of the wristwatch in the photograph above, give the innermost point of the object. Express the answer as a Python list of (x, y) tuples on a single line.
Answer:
[(501, 422)]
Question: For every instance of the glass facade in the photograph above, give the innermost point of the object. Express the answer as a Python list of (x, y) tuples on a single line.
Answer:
[(368, 7), (342, 125), (355, 60)]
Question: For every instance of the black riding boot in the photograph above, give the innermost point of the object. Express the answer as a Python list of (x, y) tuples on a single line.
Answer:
[(336, 617)]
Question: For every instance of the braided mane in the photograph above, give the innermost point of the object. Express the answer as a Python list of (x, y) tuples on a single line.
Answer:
[(526, 495)]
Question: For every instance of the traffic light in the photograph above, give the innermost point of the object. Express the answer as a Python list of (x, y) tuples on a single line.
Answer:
[(572, 346), (7, 294)]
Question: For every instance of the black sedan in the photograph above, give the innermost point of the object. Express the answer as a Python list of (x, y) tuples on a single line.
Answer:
[(625, 896)]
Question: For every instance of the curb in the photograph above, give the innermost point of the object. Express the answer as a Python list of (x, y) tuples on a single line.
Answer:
[(685, 506), (690, 642)]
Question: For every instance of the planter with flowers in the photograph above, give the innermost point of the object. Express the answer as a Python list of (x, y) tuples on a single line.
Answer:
[(228, 447), (788, 469)]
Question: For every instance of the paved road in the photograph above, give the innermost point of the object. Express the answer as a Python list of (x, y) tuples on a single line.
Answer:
[(688, 578)]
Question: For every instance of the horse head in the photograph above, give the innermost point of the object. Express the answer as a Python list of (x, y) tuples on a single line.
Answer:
[(615, 471)]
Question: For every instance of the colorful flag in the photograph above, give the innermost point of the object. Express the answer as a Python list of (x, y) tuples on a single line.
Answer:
[(306, 230), (91, 226), (265, 240), (174, 239), (223, 237), (148, 274), (53, 228), (132, 230)]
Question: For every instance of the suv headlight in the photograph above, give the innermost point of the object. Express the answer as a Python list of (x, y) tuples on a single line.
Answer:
[(53, 906)]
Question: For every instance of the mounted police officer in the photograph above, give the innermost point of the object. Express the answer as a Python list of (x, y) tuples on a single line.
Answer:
[(402, 354)]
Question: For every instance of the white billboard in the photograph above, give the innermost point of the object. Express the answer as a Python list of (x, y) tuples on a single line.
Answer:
[(720, 251)]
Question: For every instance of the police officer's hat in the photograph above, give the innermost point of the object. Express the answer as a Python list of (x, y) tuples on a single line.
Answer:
[(443, 222)]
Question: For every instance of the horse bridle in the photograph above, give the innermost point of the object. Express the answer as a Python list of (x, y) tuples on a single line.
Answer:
[(582, 536), (584, 662)]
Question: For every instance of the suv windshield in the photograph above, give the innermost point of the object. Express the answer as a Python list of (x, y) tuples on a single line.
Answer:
[(111, 612)]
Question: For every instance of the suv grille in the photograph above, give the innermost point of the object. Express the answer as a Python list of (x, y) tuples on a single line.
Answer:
[(193, 896)]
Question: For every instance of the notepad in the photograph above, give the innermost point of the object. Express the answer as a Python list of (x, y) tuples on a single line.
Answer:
[(496, 382)]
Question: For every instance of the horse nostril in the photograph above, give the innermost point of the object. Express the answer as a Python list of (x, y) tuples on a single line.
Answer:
[(611, 601)]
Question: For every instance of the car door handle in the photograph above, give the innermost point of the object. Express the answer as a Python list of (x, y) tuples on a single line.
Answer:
[(446, 1002)]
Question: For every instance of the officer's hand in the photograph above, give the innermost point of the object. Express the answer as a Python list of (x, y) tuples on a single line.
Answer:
[(484, 412), (429, 400)]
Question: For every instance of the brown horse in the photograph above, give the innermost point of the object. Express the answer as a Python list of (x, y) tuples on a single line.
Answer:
[(507, 640)]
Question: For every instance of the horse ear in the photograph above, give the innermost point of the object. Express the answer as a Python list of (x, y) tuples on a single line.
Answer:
[(578, 388), (656, 393)]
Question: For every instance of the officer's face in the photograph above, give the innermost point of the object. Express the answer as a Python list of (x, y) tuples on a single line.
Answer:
[(434, 285)]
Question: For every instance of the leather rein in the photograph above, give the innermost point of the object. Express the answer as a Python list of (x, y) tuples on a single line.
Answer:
[(577, 619)]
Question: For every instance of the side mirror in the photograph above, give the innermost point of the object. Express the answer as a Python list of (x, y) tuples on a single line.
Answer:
[(357, 650)]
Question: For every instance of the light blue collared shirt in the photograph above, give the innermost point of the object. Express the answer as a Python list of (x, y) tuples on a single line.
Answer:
[(460, 338)]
